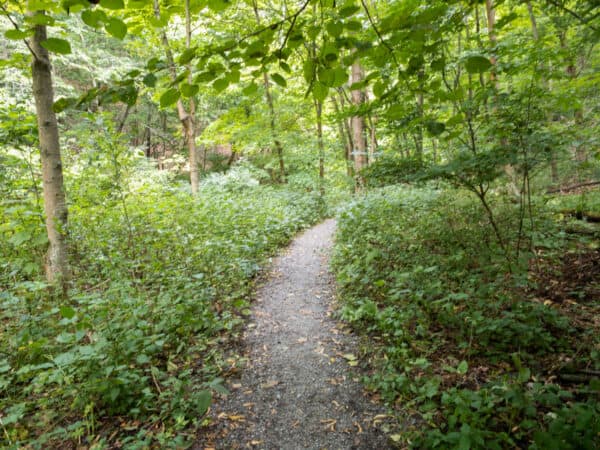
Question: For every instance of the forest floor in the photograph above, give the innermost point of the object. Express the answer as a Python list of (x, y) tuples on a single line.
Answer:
[(297, 389)]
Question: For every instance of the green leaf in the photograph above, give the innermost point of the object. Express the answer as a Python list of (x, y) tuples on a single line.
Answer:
[(462, 367), (250, 89), (169, 97), (335, 29), (112, 4), (116, 28), (308, 68), (93, 17), (477, 64), (63, 103), (16, 35), (279, 79), (218, 5), (340, 76), (220, 84), (57, 46), (189, 90), (19, 238), (379, 88), (149, 80), (347, 11), (435, 128), (187, 56), (67, 312), (40, 19), (203, 401), (320, 91)]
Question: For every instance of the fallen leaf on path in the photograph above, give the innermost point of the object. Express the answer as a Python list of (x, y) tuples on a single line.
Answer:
[(255, 442), (302, 340), (249, 405), (269, 384), (349, 356), (236, 386), (358, 427), (329, 424)]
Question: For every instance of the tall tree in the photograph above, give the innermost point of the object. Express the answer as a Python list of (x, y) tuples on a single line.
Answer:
[(358, 138), (186, 117), (55, 205)]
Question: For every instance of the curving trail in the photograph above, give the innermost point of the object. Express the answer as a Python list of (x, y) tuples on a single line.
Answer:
[(297, 390)]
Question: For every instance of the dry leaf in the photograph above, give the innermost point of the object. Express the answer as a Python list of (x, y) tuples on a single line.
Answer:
[(269, 384)]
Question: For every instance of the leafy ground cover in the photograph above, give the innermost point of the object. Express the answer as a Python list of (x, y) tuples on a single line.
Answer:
[(466, 354), (160, 281)]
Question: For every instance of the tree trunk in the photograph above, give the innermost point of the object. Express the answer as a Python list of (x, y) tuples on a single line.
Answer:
[(191, 119), (187, 120), (345, 137), (55, 206), (269, 98), (358, 138), (319, 110)]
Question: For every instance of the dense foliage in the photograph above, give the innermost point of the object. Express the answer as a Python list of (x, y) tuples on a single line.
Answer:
[(468, 357), (122, 277), (162, 281)]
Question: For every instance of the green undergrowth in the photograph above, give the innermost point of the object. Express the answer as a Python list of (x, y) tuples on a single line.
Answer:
[(160, 286), (466, 354)]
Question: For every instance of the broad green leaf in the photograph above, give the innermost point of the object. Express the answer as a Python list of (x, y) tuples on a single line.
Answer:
[(335, 29), (477, 64), (218, 5), (169, 97), (67, 312), (279, 79), (308, 70), (17, 35), (128, 95), (320, 91), (347, 11), (285, 66), (149, 80), (220, 84), (187, 56), (462, 367), (19, 238), (57, 46), (189, 90), (203, 401), (112, 4), (435, 128), (116, 27), (250, 89), (379, 88), (40, 19), (340, 76), (93, 17)]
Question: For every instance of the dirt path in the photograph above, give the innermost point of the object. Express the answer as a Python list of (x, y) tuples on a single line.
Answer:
[(297, 391)]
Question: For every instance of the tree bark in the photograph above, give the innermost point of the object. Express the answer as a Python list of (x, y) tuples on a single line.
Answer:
[(191, 119), (187, 120), (272, 124), (358, 138), (318, 111), (55, 206)]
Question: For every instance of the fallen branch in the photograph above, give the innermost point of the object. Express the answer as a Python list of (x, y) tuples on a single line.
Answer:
[(572, 187)]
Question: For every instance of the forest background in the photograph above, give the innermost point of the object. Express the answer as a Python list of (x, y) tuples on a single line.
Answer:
[(154, 154)]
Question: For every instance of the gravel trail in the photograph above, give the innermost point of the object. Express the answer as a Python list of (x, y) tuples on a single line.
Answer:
[(297, 390)]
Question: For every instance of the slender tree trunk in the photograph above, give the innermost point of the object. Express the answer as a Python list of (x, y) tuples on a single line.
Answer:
[(358, 138), (185, 118), (344, 137), (273, 125), (536, 37), (318, 111), (191, 118), (55, 206)]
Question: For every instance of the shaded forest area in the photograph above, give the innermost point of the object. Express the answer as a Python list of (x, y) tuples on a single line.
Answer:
[(155, 153)]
